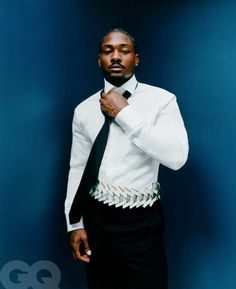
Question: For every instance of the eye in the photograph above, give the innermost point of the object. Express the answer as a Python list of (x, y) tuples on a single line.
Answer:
[(124, 51), (107, 52)]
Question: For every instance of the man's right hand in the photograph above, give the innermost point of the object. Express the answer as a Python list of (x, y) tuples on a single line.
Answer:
[(79, 244)]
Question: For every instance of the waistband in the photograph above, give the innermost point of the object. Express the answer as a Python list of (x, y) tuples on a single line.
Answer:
[(120, 196)]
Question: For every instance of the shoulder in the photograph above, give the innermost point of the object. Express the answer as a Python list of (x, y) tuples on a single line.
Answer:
[(88, 103), (155, 94), (155, 90), (88, 110), (88, 107)]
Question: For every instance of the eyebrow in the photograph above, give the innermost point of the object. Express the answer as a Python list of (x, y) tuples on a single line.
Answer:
[(111, 46)]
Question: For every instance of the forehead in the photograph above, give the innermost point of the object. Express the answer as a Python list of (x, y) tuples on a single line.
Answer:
[(116, 39)]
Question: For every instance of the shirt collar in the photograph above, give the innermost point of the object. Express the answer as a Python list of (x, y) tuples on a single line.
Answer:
[(129, 85)]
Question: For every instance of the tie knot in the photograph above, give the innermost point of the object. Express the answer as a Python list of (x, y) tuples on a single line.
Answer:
[(126, 94), (122, 91)]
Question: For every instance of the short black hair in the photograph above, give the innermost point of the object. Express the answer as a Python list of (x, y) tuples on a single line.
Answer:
[(121, 30)]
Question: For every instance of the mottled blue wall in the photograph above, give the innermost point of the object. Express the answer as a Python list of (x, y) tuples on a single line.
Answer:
[(48, 64)]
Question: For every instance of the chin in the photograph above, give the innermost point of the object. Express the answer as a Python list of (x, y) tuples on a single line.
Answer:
[(116, 74), (116, 80), (115, 77)]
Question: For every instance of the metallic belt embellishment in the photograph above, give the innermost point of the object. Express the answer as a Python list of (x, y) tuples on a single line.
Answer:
[(126, 197)]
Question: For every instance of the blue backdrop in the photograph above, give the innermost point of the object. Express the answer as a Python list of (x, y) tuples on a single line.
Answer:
[(48, 64)]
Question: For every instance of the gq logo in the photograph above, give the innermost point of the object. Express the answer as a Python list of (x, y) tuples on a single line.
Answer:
[(41, 275)]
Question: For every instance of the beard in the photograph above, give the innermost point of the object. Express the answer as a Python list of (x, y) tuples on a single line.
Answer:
[(117, 80)]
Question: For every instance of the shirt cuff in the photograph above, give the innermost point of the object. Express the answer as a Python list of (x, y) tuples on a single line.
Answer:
[(130, 120), (76, 226)]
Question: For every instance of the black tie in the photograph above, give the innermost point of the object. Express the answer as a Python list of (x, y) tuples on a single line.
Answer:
[(90, 174)]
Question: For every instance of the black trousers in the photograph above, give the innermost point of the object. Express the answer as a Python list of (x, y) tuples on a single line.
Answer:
[(127, 247)]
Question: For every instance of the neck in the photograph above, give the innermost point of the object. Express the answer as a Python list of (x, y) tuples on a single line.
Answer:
[(117, 81)]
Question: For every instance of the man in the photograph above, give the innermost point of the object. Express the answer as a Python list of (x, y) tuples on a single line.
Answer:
[(120, 233)]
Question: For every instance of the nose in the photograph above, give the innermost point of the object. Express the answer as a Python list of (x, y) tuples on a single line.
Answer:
[(116, 55)]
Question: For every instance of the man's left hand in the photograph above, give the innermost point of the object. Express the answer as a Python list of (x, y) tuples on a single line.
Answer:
[(112, 103)]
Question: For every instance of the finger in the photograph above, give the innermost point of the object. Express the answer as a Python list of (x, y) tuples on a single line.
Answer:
[(77, 256), (82, 258), (76, 251), (102, 105), (103, 95), (87, 248), (85, 259), (113, 93)]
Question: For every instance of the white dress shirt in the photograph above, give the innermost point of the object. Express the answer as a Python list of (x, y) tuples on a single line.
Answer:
[(146, 133)]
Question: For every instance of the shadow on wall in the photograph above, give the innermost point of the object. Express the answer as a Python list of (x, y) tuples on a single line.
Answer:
[(191, 223)]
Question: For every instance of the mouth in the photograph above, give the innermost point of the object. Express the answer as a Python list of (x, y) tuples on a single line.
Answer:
[(116, 68)]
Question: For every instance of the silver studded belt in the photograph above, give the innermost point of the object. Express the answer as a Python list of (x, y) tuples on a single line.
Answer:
[(121, 196)]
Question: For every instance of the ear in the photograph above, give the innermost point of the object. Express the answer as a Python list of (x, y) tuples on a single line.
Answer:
[(99, 61), (136, 60)]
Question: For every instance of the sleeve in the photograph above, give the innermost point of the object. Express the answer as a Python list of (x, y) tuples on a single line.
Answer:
[(164, 140), (79, 154)]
